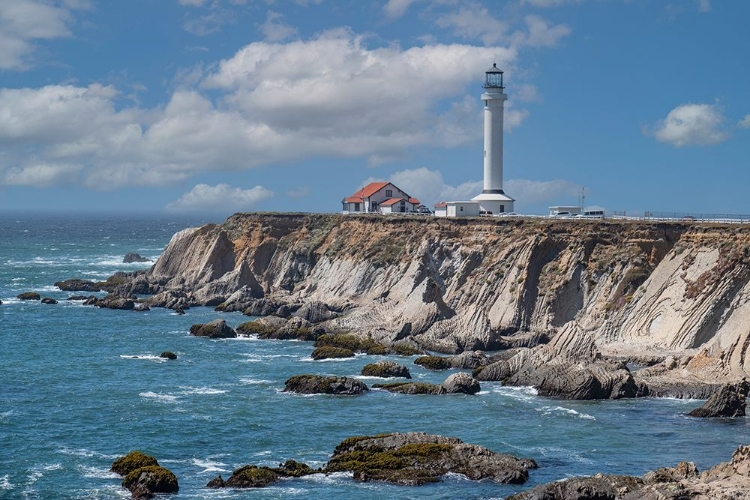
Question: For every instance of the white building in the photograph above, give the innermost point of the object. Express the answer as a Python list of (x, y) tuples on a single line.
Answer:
[(492, 200), (380, 197)]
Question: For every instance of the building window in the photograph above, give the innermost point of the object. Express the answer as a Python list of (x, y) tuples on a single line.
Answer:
[(502, 208), (356, 207), (462, 209), (389, 193)]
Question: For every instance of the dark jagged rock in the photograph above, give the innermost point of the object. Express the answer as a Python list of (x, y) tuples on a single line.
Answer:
[(49, 300), (134, 257), (77, 297), (319, 384), (292, 468), (148, 481), (328, 352), (416, 458), (132, 461), (261, 307), (29, 296), (433, 362), (140, 306), (351, 342), (168, 355), (412, 388), (461, 383), (385, 369), (600, 487), (91, 301), (216, 329), (115, 302), (217, 482), (729, 401), (251, 476), (78, 285)]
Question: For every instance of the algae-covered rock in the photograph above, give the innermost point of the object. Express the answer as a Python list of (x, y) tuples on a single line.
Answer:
[(417, 458), (150, 480), (411, 388), (319, 384), (385, 369), (327, 352), (351, 342), (216, 329), (28, 296), (78, 285), (251, 476), (132, 461), (433, 362)]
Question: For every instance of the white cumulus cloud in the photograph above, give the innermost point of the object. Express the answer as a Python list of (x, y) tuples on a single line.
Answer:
[(221, 197), (275, 29), (692, 125), (23, 23), (745, 122)]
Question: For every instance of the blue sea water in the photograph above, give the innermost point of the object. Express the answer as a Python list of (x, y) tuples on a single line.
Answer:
[(81, 386)]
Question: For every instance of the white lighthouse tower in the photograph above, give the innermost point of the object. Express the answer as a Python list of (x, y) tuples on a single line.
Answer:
[(493, 199)]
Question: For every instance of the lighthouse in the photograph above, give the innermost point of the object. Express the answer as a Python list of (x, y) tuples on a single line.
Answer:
[(493, 199)]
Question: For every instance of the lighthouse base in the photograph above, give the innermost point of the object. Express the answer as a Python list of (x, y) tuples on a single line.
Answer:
[(494, 203)]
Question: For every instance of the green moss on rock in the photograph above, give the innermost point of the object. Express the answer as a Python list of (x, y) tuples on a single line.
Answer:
[(433, 362), (146, 481), (132, 461), (252, 476), (254, 328), (328, 352)]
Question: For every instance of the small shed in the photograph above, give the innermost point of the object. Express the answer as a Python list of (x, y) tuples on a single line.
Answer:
[(441, 209), (462, 209)]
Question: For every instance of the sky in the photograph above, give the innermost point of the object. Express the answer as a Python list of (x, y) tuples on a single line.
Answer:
[(220, 106)]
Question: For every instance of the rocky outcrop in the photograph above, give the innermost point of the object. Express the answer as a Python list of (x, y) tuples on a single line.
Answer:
[(385, 369), (461, 383), (416, 458), (729, 401), (319, 384), (433, 362), (725, 481), (78, 285), (328, 352), (147, 482), (458, 383), (134, 257), (28, 296), (132, 461), (570, 366), (49, 300), (216, 329), (455, 285), (168, 355), (253, 476), (112, 302)]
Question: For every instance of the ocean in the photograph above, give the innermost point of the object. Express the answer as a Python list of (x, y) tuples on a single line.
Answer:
[(81, 386)]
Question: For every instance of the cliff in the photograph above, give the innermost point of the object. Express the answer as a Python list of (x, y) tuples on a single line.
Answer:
[(640, 291)]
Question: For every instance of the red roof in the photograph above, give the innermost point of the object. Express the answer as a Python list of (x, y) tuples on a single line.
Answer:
[(414, 201), (370, 189), (390, 201), (353, 199), (441, 204)]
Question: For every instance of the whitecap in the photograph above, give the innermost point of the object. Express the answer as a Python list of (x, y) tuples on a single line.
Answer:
[(548, 410), (209, 465), (83, 452), (147, 357), (5, 483), (334, 478), (97, 472), (524, 393), (255, 381), (165, 398), (5, 415), (53, 467), (202, 390)]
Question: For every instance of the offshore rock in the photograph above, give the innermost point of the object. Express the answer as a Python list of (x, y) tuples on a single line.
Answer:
[(416, 458), (599, 487), (252, 476), (49, 300), (319, 384), (412, 388), (216, 329), (132, 461), (328, 352), (434, 362), (385, 369), (729, 401), (469, 360), (149, 481), (29, 296), (115, 302), (461, 383), (134, 257), (78, 285)]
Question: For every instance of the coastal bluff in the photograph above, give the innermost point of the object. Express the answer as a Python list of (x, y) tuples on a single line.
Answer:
[(672, 298)]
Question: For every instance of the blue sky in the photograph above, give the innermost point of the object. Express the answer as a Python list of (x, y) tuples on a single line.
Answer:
[(217, 106)]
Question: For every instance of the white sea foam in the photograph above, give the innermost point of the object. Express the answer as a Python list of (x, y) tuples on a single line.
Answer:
[(82, 452), (336, 477), (5, 483), (147, 357), (97, 472), (164, 398), (548, 410), (202, 390), (255, 381), (519, 393), (5, 415), (209, 465)]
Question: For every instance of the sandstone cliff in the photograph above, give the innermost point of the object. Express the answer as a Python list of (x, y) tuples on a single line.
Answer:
[(640, 291)]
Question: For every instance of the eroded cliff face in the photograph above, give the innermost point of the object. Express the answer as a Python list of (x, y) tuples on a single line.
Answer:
[(458, 284)]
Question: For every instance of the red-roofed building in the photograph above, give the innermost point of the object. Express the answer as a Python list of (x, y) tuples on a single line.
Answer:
[(380, 197)]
